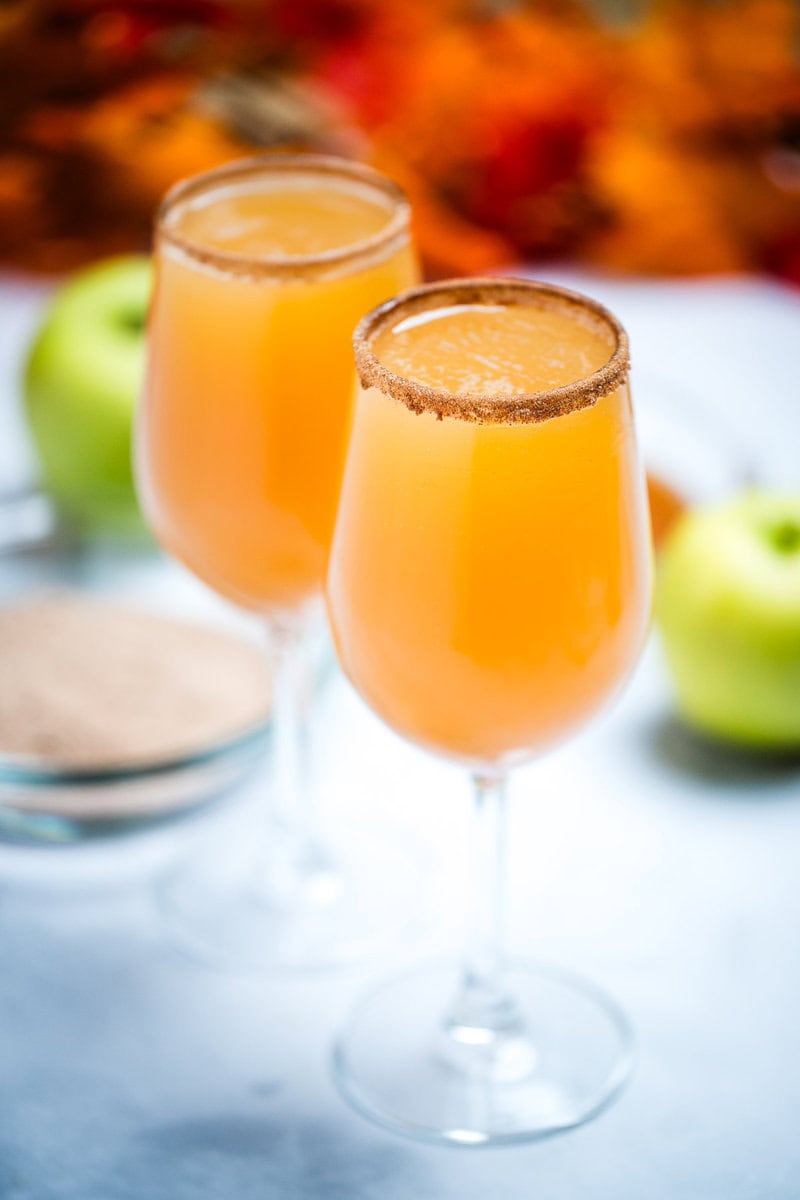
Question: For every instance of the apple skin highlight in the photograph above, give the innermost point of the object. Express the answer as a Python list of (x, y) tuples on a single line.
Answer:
[(728, 608)]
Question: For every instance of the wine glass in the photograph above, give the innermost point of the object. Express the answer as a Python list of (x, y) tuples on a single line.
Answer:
[(488, 589), (263, 268)]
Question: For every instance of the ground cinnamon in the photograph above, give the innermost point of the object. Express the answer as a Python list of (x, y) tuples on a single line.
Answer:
[(90, 684)]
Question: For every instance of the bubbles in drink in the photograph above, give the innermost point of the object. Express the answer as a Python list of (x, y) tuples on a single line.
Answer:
[(498, 348)]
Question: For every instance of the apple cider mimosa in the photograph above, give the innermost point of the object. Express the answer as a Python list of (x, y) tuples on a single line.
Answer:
[(506, 592), (489, 589), (263, 269), (262, 273)]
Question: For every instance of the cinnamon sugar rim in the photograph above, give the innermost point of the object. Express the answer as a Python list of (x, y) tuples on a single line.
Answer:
[(498, 408), (286, 266)]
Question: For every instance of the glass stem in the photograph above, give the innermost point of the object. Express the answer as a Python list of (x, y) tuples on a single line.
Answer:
[(483, 1012), (294, 865)]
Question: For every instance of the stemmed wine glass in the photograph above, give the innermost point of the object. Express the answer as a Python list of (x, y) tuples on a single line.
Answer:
[(488, 590), (263, 268)]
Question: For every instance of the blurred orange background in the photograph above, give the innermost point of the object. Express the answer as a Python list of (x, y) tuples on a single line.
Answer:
[(661, 137)]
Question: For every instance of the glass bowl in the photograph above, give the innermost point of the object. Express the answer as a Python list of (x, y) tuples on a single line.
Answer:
[(44, 804), (57, 805)]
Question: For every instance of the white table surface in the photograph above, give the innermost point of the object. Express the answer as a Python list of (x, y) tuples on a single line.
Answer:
[(668, 872)]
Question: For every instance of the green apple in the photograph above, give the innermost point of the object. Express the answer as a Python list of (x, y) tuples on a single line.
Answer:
[(728, 605), (82, 380)]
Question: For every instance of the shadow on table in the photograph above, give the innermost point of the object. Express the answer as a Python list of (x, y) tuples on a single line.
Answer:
[(747, 775), (293, 1157)]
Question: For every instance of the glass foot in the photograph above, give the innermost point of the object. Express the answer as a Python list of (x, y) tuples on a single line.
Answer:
[(400, 1063), (357, 899)]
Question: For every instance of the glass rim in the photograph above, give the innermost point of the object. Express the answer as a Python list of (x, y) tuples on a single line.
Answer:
[(286, 266), (485, 407)]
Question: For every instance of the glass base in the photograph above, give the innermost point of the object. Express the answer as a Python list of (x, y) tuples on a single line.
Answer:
[(400, 1062), (356, 899)]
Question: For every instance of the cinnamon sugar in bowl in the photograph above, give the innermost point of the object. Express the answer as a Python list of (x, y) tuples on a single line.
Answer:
[(113, 716)]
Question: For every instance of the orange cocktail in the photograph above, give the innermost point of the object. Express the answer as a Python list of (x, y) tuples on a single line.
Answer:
[(488, 588), (263, 270), (489, 584)]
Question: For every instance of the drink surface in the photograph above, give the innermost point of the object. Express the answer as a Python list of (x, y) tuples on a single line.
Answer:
[(292, 218), (250, 381), (507, 349), (489, 583)]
